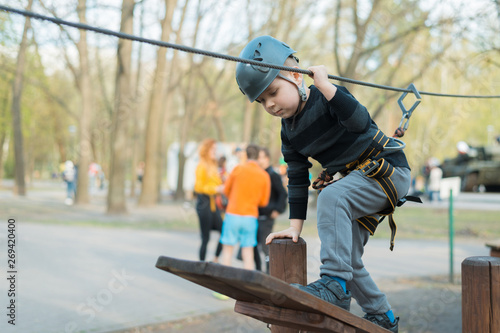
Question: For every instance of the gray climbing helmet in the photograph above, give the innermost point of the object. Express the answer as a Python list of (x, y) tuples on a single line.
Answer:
[(252, 79)]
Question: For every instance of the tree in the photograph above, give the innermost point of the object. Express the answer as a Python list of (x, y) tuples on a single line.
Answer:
[(149, 193), (371, 43), (17, 90), (189, 110), (122, 109), (3, 126), (84, 85), (379, 41), (81, 74), (135, 119)]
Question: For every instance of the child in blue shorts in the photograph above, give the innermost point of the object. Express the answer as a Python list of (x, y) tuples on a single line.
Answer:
[(247, 188), (239, 229)]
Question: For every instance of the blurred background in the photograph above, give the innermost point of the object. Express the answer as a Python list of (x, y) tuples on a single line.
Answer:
[(69, 94), (119, 123)]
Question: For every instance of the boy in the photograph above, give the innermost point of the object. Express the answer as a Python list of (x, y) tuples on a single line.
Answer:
[(325, 122)]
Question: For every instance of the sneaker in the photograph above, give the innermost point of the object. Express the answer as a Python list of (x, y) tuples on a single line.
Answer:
[(329, 290), (383, 321), (222, 297)]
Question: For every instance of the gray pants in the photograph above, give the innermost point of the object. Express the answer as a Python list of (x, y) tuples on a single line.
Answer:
[(343, 239)]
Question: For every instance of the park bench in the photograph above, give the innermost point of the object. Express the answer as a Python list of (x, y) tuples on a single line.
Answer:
[(494, 248)]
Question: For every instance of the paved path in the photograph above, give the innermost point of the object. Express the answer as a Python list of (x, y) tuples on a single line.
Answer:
[(74, 279), (95, 279)]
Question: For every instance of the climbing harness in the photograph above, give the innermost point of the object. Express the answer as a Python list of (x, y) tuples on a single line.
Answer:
[(379, 170)]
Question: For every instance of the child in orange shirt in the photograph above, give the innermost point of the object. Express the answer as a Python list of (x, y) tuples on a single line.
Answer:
[(247, 188)]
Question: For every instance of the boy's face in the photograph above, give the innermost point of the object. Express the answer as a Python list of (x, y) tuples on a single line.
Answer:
[(281, 98)]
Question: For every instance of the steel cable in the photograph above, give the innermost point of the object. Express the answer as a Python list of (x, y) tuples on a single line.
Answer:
[(220, 55)]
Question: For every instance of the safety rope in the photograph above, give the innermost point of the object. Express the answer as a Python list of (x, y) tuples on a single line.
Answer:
[(220, 55)]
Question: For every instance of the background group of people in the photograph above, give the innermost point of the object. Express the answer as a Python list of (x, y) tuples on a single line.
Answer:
[(69, 174), (242, 204)]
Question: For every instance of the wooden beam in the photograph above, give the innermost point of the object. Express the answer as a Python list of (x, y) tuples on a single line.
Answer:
[(297, 320), (261, 289)]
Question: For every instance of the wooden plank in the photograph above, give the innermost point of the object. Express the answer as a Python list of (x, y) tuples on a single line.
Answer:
[(240, 284), (295, 319), (259, 288)]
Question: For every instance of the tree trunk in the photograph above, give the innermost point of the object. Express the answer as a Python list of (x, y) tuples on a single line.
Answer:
[(167, 102), (187, 118), (84, 152), (136, 131), (17, 91), (121, 114), (149, 192), (3, 136), (3, 129)]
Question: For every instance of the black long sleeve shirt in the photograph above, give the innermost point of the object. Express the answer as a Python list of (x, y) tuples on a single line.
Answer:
[(334, 133)]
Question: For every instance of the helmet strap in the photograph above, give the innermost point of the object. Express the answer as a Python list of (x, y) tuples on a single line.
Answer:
[(302, 92), (302, 95), (301, 88)]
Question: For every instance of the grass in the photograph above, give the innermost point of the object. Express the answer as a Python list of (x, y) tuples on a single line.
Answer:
[(430, 223), (413, 222), (175, 224)]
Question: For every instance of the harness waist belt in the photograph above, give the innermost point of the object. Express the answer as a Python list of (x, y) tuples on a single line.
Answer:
[(380, 171)]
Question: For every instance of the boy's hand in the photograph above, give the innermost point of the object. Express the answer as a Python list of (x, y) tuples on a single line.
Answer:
[(287, 233), (320, 77), (293, 232)]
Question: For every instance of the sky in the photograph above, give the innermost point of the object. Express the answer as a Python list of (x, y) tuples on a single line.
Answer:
[(106, 14)]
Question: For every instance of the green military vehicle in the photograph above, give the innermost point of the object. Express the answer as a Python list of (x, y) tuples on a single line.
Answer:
[(477, 167)]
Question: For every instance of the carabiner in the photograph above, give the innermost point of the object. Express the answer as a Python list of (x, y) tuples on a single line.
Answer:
[(407, 113)]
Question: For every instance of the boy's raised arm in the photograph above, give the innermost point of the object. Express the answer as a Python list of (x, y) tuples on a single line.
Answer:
[(320, 76)]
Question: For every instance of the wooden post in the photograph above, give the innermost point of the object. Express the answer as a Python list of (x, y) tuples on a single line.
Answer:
[(481, 295), (288, 262)]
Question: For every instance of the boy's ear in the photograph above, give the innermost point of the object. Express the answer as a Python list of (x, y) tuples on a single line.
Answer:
[(297, 77)]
